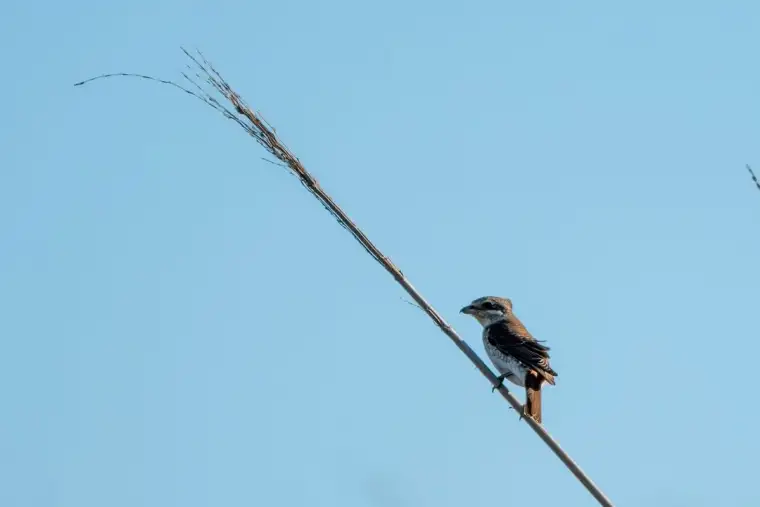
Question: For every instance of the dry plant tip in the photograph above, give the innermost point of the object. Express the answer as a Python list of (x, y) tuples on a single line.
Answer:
[(754, 178)]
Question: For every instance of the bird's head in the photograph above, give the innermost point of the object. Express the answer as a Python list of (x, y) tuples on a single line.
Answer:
[(489, 309)]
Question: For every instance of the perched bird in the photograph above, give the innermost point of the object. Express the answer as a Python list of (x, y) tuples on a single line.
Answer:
[(512, 349)]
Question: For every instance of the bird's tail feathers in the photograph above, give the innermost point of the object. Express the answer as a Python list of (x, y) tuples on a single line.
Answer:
[(533, 397)]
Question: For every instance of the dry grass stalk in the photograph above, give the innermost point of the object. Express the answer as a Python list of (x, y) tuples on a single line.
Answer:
[(266, 136)]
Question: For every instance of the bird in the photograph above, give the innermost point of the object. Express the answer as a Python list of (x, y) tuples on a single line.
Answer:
[(514, 352)]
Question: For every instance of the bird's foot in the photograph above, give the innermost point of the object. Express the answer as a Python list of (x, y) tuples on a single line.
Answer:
[(500, 378)]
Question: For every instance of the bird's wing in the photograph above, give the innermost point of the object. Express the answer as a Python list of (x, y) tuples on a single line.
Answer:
[(513, 339)]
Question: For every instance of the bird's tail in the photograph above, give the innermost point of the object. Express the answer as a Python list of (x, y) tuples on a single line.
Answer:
[(533, 397)]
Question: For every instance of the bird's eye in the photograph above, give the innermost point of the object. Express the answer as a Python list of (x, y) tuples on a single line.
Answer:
[(488, 306)]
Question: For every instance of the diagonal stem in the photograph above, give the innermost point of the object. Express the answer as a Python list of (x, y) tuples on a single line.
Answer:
[(343, 218)]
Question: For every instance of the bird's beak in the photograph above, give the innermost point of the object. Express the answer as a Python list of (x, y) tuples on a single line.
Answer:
[(468, 310)]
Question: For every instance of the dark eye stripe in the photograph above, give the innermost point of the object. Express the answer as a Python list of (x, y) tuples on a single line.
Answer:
[(488, 305)]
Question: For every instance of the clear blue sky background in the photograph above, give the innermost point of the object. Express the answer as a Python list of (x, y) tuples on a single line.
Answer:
[(183, 325)]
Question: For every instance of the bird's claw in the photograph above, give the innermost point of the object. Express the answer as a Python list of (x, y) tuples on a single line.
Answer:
[(500, 378)]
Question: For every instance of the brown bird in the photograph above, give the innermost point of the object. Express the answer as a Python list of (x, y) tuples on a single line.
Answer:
[(518, 356)]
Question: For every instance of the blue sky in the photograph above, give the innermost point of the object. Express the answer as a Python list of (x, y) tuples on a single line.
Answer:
[(182, 324)]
